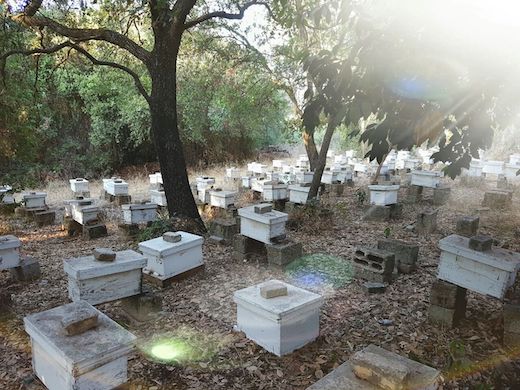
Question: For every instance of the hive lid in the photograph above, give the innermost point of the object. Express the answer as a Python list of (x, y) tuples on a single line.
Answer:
[(31, 195), (161, 248), (427, 173), (496, 257), (384, 187), (223, 194), (298, 187), (88, 267), (266, 218), (9, 242), (296, 299), (145, 206), (80, 353)]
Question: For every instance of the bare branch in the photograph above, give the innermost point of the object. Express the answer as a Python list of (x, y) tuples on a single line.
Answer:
[(75, 46), (226, 15)]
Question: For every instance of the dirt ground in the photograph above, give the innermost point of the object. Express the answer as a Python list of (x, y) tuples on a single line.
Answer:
[(199, 312)]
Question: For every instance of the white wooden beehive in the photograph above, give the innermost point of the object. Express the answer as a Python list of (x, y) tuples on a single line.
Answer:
[(97, 281), (514, 159), (204, 195), (158, 197), (82, 202), (329, 177), (511, 170), (246, 181), (274, 191), (233, 173), (282, 324), (6, 194), (360, 167), (84, 214), (79, 185), (341, 159), (107, 181), (304, 177), (9, 252), (117, 187), (429, 179), (204, 182), (272, 176), (475, 168), (34, 200), (411, 163), (257, 184), (349, 154), (382, 195), (134, 214), (298, 194), (222, 199), (262, 227), (278, 164), (156, 178), (490, 273), (493, 167), (168, 259), (93, 360)]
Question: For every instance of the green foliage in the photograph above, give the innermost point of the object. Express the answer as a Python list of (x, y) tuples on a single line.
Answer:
[(361, 196), (156, 229)]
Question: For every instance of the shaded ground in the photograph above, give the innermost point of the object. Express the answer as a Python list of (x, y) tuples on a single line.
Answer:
[(199, 312)]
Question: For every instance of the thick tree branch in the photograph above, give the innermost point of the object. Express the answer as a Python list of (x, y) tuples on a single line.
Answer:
[(226, 15), (81, 34), (75, 46)]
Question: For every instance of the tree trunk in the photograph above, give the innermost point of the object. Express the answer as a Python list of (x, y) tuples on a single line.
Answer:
[(310, 147), (322, 158), (165, 130), (378, 171)]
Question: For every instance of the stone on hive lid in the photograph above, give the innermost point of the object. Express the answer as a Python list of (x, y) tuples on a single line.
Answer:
[(172, 237), (273, 289), (263, 208), (480, 243), (104, 254), (79, 319)]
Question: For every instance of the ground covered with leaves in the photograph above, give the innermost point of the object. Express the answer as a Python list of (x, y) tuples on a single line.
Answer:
[(199, 314)]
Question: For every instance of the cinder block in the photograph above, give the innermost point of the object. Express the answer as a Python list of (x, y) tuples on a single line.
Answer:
[(283, 253), (5, 301), (374, 288), (414, 193), (290, 207), (375, 260), (426, 222), (129, 231), (448, 295), (442, 316), (441, 195), (467, 226), (481, 243), (44, 218), (27, 271), (273, 290), (377, 213), (396, 210), (406, 254), (91, 232), (498, 199), (245, 248), (512, 319), (224, 229)]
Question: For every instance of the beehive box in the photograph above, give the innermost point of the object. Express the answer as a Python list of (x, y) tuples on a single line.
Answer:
[(233, 173), (281, 324), (475, 168), (490, 273), (80, 201), (383, 195), (117, 187), (104, 281), (330, 177), (514, 159), (360, 167), (93, 360), (257, 184), (511, 170), (204, 195), (158, 197), (274, 191), (9, 252), (298, 194), (262, 227), (156, 178), (79, 185), (429, 179), (222, 199), (34, 200), (6, 195), (246, 181), (304, 177), (272, 176), (168, 259), (84, 214), (411, 163), (278, 164), (139, 213), (493, 167), (204, 182)]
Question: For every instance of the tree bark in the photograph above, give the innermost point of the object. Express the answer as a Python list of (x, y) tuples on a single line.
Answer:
[(165, 130), (310, 148), (322, 157)]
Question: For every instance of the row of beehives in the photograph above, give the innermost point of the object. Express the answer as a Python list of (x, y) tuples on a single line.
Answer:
[(478, 168)]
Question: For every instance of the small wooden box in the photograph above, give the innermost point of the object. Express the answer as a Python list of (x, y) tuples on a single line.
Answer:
[(9, 252), (34, 200), (298, 194), (262, 227), (274, 192), (282, 324), (83, 214), (6, 194), (117, 187), (139, 213), (155, 178), (158, 197), (93, 360), (382, 195), (222, 199), (330, 177), (429, 179), (490, 273), (257, 184), (105, 281), (304, 177), (79, 185), (168, 259)]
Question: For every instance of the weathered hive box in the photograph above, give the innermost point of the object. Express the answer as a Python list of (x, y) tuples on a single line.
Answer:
[(134, 214), (383, 195), (272, 176), (6, 195), (79, 185), (262, 227), (298, 194), (304, 177), (514, 159), (34, 200), (257, 184), (117, 187), (84, 214), (167, 259), (429, 179), (222, 199), (274, 191), (475, 168), (204, 195), (329, 177), (204, 182), (493, 167), (280, 324), (97, 281), (106, 181), (158, 197), (9, 252), (156, 178), (95, 359), (233, 173), (80, 202), (491, 272)]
